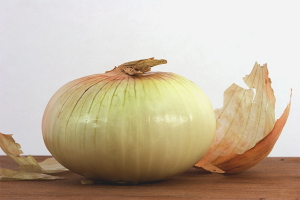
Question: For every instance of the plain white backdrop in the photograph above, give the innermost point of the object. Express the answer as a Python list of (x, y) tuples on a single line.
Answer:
[(45, 44)]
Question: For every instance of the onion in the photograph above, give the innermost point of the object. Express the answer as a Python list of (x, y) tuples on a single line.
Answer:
[(129, 125)]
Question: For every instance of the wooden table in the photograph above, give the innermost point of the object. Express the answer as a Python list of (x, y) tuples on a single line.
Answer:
[(273, 178)]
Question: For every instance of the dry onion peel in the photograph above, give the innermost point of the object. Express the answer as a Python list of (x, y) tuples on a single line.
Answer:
[(27, 164), (245, 132), (240, 162), (11, 175), (50, 166), (89, 181)]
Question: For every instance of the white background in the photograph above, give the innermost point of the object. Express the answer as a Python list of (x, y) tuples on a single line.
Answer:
[(45, 44)]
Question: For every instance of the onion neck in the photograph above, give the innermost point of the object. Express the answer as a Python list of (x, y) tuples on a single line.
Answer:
[(135, 67)]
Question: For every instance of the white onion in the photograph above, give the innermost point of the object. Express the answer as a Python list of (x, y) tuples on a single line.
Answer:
[(121, 128)]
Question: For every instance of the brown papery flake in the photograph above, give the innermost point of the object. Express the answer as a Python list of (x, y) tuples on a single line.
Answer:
[(11, 175), (27, 164), (245, 132)]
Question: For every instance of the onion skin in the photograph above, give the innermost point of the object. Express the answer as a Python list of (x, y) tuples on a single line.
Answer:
[(246, 128), (236, 163), (131, 129)]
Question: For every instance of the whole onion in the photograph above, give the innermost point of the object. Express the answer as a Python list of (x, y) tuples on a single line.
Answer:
[(129, 125)]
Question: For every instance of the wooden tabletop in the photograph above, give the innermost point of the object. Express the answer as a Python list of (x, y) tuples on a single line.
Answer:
[(273, 178)]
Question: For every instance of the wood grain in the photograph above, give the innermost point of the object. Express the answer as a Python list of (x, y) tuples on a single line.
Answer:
[(273, 178)]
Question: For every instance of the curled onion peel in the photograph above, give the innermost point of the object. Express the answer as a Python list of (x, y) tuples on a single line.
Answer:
[(128, 124), (30, 169), (246, 130)]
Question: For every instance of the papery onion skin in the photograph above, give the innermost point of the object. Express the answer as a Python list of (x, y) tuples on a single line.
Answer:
[(132, 129)]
